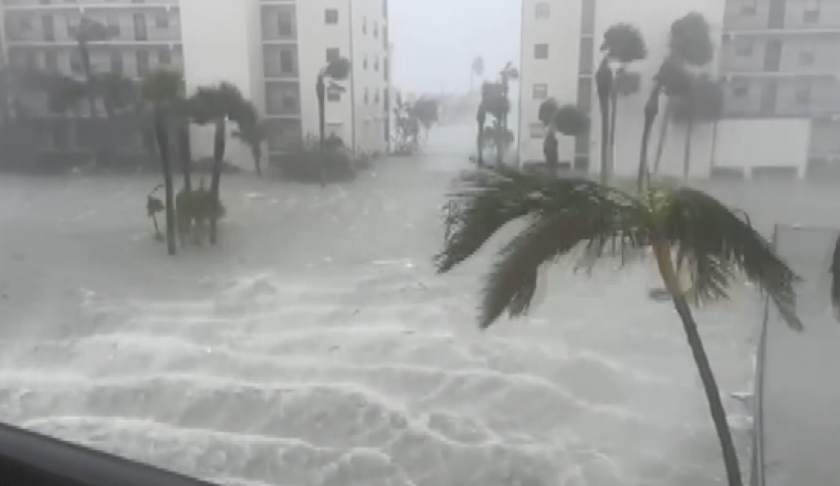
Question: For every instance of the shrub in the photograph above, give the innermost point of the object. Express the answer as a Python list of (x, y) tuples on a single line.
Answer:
[(308, 163)]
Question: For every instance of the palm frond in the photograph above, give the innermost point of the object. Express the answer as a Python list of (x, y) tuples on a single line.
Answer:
[(717, 245)]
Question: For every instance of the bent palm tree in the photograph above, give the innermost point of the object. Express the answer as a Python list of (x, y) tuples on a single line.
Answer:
[(681, 225), (253, 135)]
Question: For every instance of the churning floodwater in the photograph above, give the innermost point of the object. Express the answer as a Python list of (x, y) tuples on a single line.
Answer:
[(316, 346)]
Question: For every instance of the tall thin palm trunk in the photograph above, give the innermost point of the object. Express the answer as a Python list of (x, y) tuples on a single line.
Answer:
[(613, 123), (216, 180), (321, 92), (704, 369), (689, 134), (162, 137), (713, 161), (664, 125), (186, 155)]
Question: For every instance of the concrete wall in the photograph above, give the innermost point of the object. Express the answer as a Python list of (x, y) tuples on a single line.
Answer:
[(211, 58)]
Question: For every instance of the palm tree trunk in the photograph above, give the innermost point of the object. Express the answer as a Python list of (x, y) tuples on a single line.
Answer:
[(162, 136), (613, 123), (480, 144), (216, 180), (256, 153), (662, 252), (605, 143), (712, 162), (186, 155), (664, 124), (689, 133), (84, 56), (321, 91)]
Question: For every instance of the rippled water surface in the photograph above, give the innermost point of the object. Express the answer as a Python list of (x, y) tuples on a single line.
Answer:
[(316, 346)]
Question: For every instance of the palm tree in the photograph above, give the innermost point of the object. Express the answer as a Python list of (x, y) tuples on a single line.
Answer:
[(604, 86), (494, 102), (164, 90), (679, 224), (476, 69), (217, 104), (254, 135), (690, 46), (703, 104), (570, 121), (506, 75), (89, 31), (481, 119), (624, 44), (546, 113), (335, 70)]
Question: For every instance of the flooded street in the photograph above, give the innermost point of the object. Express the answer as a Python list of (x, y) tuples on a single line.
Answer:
[(316, 346)]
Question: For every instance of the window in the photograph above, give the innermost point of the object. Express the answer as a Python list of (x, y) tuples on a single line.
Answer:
[(740, 88), (542, 10), (540, 91), (48, 27), (140, 27), (587, 55), (375, 29), (287, 61), (113, 25), (117, 62), (747, 7), (802, 94), (376, 63), (284, 24), (807, 57), (364, 63), (162, 20), (333, 94), (165, 57), (743, 47), (364, 25), (811, 11), (541, 51), (376, 96), (367, 96), (290, 100), (51, 61), (142, 62), (536, 130), (331, 16), (333, 54)]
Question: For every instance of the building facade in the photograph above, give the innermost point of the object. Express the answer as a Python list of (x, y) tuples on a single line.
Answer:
[(272, 50), (776, 59)]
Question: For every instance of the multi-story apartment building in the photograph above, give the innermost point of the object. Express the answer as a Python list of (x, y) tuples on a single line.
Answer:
[(42, 35), (274, 51), (778, 60)]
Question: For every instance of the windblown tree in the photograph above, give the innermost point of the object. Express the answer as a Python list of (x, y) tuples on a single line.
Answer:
[(570, 121), (546, 113), (164, 90), (702, 104), (328, 77), (623, 44), (476, 70), (217, 104), (690, 46), (427, 112), (495, 103), (506, 75), (684, 227), (254, 135), (89, 31)]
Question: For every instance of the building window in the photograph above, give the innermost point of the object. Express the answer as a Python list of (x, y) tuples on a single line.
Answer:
[(142, 62), (117, 61), (364, 63), (747, 7), (113, 23), (331, 16), (162, 20), (811, 11), (51, 61), (542, 10), (284, 24), (536, 130), (541, 51), (375, 29), (364, 25), (367, 96), (333, 94), (802, 94), (287, 61), (540, 91), (376, 96), (165, 57), (333, 54), (376, 63), (587, 55), (740, 89), (290, 100), (743, 47), (807, 57)]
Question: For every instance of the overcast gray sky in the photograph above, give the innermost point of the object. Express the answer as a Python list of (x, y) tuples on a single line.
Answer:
[(436, 40)]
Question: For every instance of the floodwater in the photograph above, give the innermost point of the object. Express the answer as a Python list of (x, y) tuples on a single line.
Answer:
[(316, 346)]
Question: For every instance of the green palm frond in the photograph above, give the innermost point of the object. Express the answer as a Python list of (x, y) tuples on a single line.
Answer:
[(717, 245)]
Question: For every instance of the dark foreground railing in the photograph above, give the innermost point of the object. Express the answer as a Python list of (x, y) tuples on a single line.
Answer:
[(30, 459)]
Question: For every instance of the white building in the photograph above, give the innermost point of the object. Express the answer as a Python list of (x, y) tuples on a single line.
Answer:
[(273, 50), (560, 51)]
